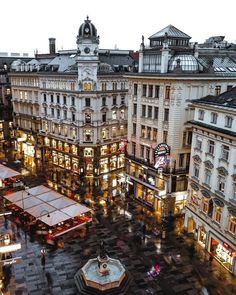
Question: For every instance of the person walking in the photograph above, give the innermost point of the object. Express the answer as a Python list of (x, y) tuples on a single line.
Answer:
[(43, 252)]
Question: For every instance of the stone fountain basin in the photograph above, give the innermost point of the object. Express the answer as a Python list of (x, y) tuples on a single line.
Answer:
[(95, 280)]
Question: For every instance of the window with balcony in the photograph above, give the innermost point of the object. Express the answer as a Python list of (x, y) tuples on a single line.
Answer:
[(114, 115), (104, 101), (135, 110), (207, 179), (232, 224), (104, 117), (201, 115), (156, 110), (150, 90), (58, 99), (228, 121), (144, 93), (217, 90), (225, 152), (218, 214), (135, 89), (167, 92), (211, 147), (157, 90), (150, 112), (87, 102), (166, 115), (143, 111), (214, 118), (143, 131)]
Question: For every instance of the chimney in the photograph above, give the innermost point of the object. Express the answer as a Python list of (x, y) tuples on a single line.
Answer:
[(52, 45)]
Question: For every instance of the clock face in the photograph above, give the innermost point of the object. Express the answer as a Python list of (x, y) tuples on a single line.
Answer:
[(87, 50)]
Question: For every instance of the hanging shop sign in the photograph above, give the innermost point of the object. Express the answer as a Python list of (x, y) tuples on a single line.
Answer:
[(161, 154)]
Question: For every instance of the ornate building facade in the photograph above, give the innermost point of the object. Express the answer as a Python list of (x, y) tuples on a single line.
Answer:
[(172, 71), (211, 208), (71, 111)]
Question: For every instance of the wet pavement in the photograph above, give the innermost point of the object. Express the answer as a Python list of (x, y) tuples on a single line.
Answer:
[(122, 233)]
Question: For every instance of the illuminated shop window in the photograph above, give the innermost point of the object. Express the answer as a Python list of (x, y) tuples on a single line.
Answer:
[(104, 150), (89, 167), (88, 135), (113, 147), (232, 225), (54, 158), (60, 145), (47, 141), (88, 152), (205, 205), (60, 160), (54, 144), (104, 133), (66, 147), (75, 165), (114, 115), (113, 161), (218, 213), (121, 161), (104, 165), (67, 162), (160, 183), (113, 131), (122, 114)]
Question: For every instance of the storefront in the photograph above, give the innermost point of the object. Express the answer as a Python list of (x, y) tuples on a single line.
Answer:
[(202, 236), (224, 253)]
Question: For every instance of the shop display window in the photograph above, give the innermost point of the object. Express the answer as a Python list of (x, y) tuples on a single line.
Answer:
[(75, 165), (66, 147), (113, 148), (54, 144), (160, 183), (202, 236), (60, 160), (67, 162), (149, 198), (88, 152), (74, 149), (60, 145), (104, 150), (104, 165), (47, 141), (113, 161)]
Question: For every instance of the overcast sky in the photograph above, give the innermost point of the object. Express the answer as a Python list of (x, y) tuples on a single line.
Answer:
[(27, 24)]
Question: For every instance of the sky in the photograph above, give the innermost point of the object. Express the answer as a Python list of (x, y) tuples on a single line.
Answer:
[(26, 25)]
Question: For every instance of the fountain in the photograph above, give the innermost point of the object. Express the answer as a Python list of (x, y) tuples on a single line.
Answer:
[(102, 275)]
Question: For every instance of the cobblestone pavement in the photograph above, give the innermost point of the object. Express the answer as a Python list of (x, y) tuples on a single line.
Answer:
[(186, 276)]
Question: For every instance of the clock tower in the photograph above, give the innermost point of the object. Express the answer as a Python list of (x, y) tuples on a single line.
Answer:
[(87, 58)]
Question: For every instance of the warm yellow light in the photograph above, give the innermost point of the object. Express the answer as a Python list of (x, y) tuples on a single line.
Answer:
[(10, 248)]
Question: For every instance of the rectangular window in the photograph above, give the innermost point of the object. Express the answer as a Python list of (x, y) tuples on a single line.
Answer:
[(211, 147), (165, 136), (104, 117), (58, 99), (114, 100), (144, 90), (65, 115), (217, 90), (44, 97), (72, 100), (122, 100), (207, 177), (228, 121), (51, 98), (154, 134), (214, 118), (133, 148), (135, 89), (157, 90), (156, 110), (58, 114), (142, 151), (181, 160), (218, 212), (134, 129), (234, 191), (73, 117), (143, 131), (201, 115), (148, 153), (149, 112), (87, 101), (225, 152), (103, 101), (150, 90), (196, 171), (205, 206), (221, 184), (135, 109), (232, 224), (45, 111), (189, 138), (52, 112), (198, 143), (166, 115), (167, 92), (143, 111), (149, 133)]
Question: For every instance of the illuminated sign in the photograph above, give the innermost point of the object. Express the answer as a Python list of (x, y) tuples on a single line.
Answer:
[(10, 261), (10, 248), (161, 153)]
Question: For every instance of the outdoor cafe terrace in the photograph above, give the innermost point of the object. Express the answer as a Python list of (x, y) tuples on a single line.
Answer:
[(52, 212)]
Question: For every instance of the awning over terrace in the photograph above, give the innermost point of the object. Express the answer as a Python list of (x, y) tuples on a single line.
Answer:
[(6, 172), (46, 205)]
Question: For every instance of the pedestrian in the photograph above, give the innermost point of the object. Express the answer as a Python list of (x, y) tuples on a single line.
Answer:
[(43, 252), (49, 280)]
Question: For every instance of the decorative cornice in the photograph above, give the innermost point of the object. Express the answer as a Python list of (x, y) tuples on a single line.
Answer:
[(194, 186), (205, 194), (197, 159), (218, 202), (208, 164), (222, 171)]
